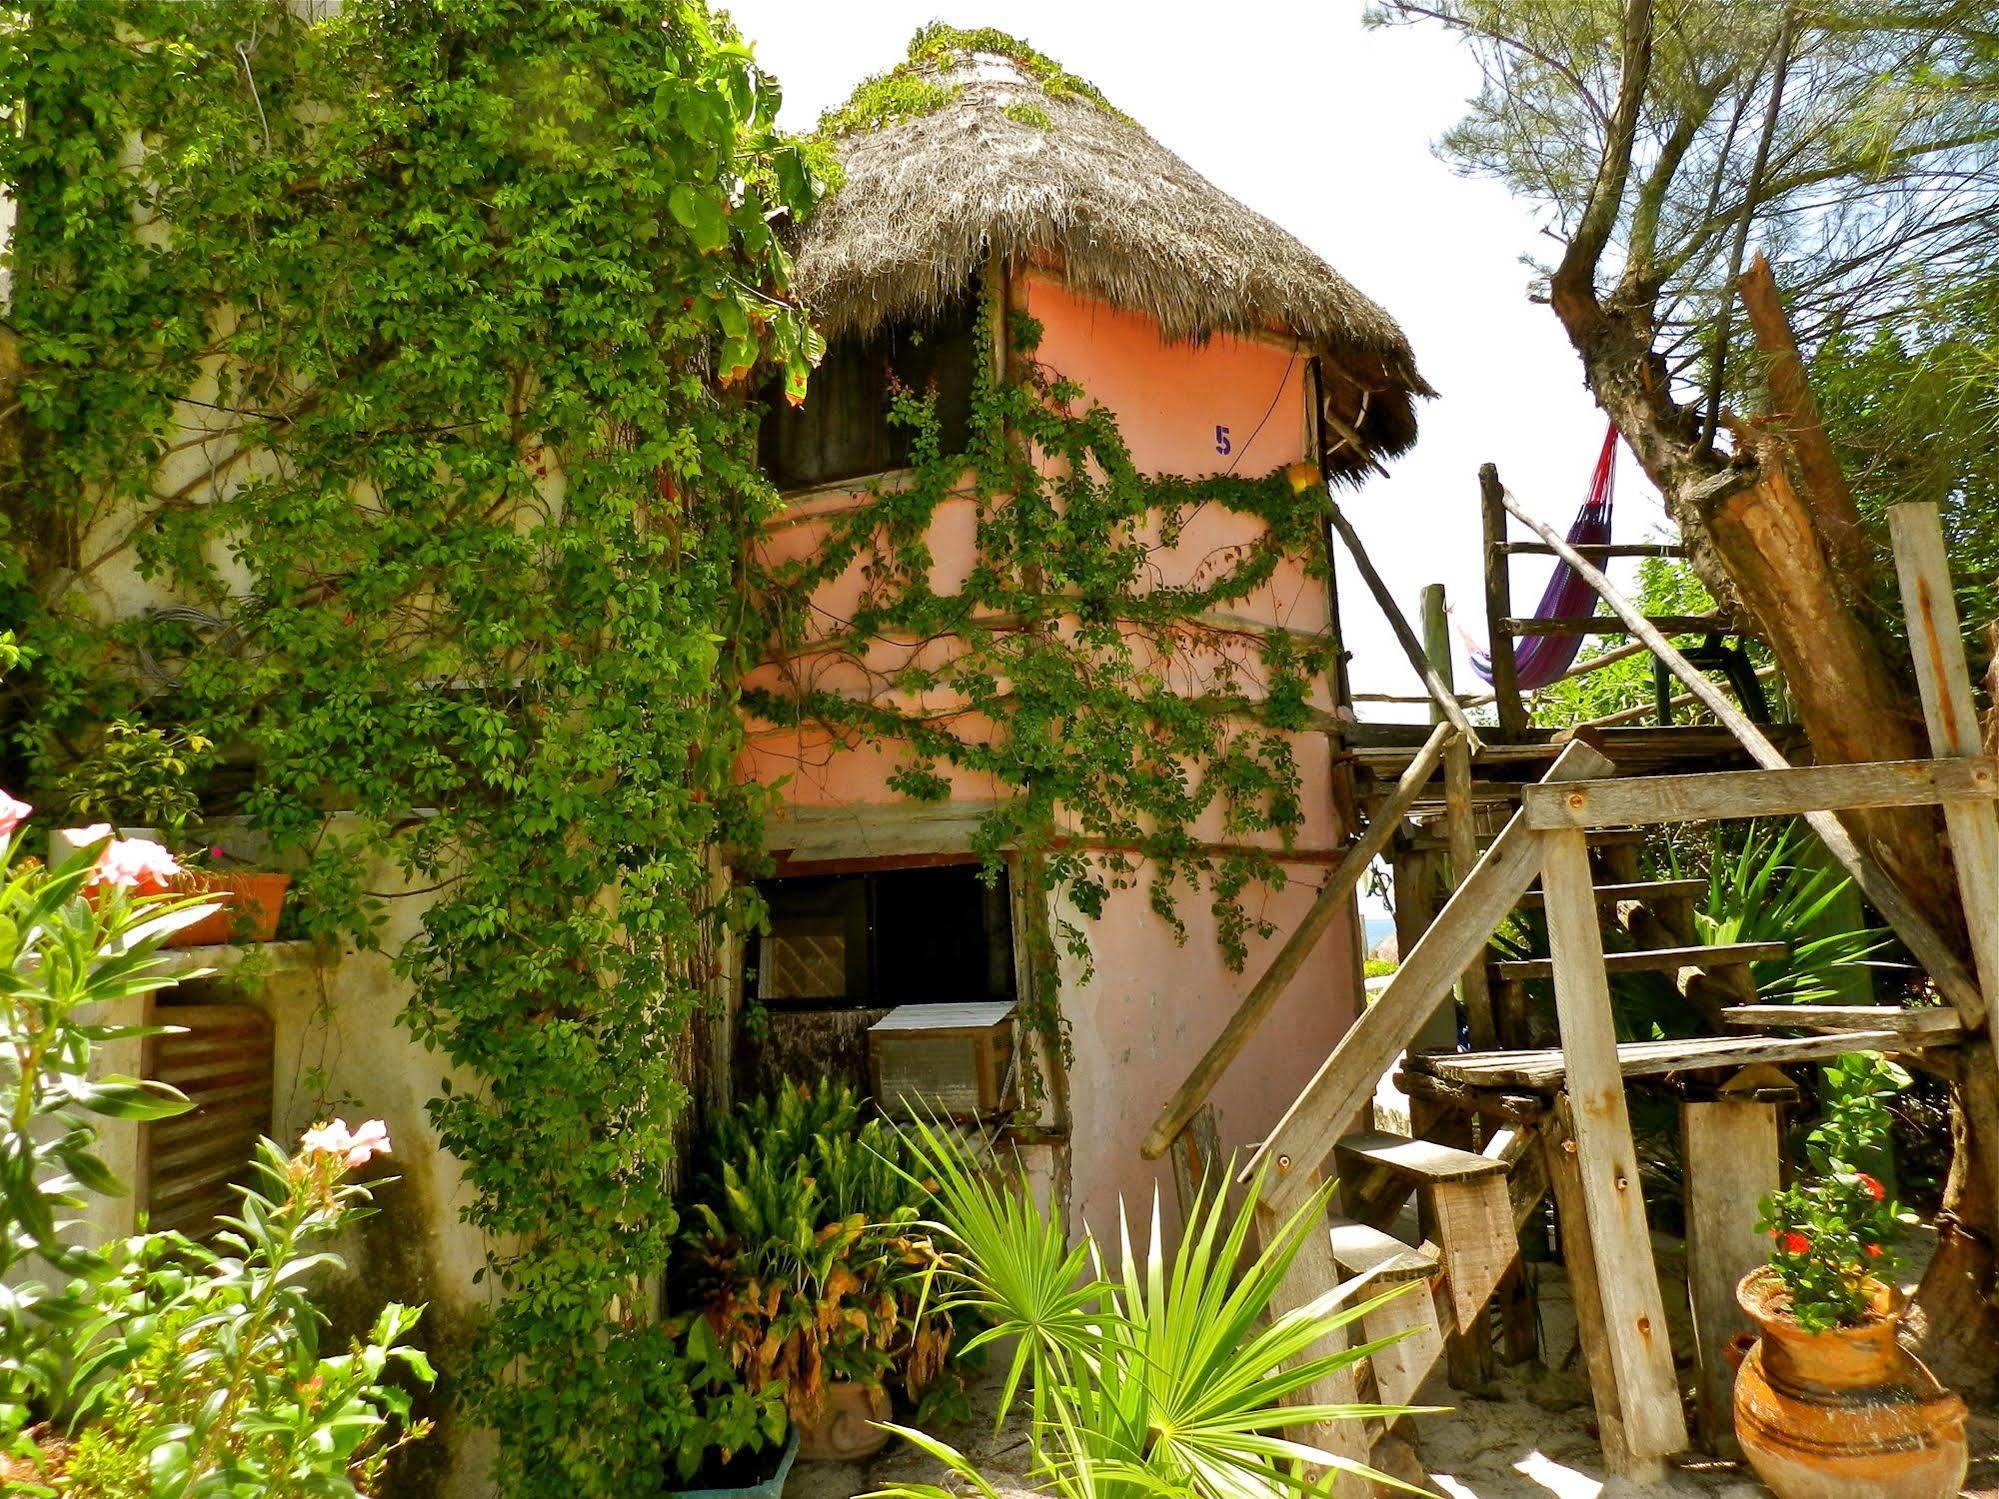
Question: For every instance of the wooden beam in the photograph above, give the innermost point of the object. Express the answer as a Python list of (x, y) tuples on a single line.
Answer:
[(1439, 690), (1317, 920), (1936, 642), (1634, 1315), (1499, 602), (1731, 1158), (1597, 553), (1346, 1079), (1917, 934), (1717, 796), (1670, 624)]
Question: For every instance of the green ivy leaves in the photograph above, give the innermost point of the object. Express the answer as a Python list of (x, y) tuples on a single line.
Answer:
[(423, 382)]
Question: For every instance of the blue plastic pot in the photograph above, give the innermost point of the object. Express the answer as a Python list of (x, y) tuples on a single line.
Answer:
[(771, 1488)]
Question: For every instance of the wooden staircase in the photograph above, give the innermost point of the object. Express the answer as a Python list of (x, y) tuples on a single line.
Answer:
[(1503, 1126)]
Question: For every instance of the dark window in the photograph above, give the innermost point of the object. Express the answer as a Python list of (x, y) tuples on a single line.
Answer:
[(843, 431), (893, 937)]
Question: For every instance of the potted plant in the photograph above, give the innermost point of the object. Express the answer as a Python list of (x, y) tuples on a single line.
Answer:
[(139, 779), (1828, 1404), (728, 1440), (806, 1256)]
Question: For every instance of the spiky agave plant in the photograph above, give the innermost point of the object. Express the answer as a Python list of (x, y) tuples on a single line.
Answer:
[(1168, 1373), (1771, 890)]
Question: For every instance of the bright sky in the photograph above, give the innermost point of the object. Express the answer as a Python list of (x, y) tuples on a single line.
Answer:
[(1295, 109)]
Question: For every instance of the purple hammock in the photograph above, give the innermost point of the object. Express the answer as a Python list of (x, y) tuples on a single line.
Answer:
[(1543, 658)]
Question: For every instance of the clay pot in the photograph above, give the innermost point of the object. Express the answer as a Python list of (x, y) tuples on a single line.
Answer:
[(249, 913), (1847, 1413), (844, 1430)]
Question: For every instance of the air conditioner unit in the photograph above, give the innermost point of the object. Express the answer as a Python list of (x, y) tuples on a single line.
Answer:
[(951, 1061)]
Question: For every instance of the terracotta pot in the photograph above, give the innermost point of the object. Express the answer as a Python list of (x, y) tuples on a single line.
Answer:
[(251, 903), (844, 1430), (1847, 1413)]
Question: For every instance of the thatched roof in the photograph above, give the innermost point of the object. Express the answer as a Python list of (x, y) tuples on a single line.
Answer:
[(963, 152)]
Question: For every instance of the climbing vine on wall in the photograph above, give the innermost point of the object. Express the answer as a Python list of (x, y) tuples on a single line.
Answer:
[(401, 350), (1112, 710)]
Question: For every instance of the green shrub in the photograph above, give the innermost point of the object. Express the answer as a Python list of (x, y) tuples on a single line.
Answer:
[(1832, 1231), (806, 1255), (1170, 1374), (158, 1368)]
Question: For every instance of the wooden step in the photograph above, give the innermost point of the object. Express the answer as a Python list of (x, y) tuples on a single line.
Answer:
[(1640, 890), (1407, 1324), (1360, 1249), (1655, 960), (1542, 1071), (1418, 1162), (1938, 1020)]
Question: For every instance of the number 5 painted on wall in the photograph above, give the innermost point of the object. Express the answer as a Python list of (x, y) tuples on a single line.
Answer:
[(1222, 443)]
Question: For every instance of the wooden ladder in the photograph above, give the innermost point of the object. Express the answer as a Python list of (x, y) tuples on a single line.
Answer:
[(1570, 1099)]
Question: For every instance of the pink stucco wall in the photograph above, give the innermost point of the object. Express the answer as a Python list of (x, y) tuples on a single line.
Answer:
[(1151, 1006)]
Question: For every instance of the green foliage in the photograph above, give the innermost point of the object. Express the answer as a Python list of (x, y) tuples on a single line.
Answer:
[(177, 1370), (1832, 1230), (1170, 1373), (1882, 168), (407, 348), (211, 1377), (1912, 406), (805, 1257), (1764, 887), (910, 88), (65, 959), (1380, 968), (137, 776), (1068, 686), (1666, 585)]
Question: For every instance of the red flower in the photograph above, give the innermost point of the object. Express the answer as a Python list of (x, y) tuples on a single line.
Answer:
[(1874, 1188), (1794, 1242), (1874, 1251)]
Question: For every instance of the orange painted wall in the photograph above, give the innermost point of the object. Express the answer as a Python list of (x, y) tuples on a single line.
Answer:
[(1151, 1006)]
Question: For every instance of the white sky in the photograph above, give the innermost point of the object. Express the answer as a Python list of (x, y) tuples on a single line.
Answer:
[(1295, 109)]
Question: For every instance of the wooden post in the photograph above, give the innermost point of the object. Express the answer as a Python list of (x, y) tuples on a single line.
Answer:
[(1641, 1359), (1730, 1160), (1414, 880), (1473, 990), (1333, 898), (1922, 939), (1458, 824), (1936, 641), (1197, 1159), (1499, 603), (1558, 1154)]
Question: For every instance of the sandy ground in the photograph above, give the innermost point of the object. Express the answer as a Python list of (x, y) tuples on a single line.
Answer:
[(1530, 1435)]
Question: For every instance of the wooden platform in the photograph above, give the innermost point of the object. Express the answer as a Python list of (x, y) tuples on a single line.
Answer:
[(1541, 1070)]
